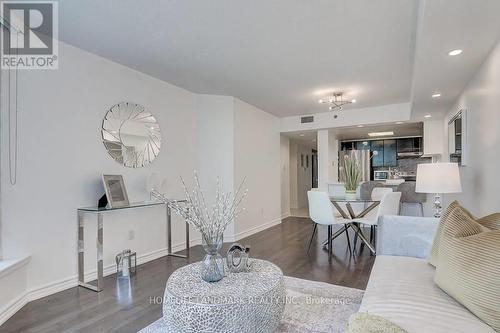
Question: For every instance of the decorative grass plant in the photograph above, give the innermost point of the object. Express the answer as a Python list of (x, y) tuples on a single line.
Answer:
[(352, 173)]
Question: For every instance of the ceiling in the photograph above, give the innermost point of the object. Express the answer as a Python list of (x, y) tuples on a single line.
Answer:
[(444, 25), (283, 55)]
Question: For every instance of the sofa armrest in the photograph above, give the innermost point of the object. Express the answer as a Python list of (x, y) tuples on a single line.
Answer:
[(407, 236)]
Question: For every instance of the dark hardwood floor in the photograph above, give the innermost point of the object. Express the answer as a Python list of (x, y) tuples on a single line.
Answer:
[(129, 305)]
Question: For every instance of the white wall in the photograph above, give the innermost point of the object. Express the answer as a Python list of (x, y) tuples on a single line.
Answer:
[(61, 158), (285, 175), (257, 157), (481, 98), (324, 159), (294, 166), (333, 170), (215, 145)]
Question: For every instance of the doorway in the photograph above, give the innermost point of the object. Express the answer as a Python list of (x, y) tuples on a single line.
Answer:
[(314, 162)]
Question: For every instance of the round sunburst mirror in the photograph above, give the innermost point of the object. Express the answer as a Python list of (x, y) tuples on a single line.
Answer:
[(131, 134)]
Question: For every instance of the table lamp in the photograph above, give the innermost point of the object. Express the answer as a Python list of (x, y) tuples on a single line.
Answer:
[(438, 178)]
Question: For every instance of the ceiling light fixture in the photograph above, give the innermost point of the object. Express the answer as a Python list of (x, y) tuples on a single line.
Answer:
[(436, 95), (337, 101), (455, 52), (427, 116), (381, 133), (361, 126), (399, 122)]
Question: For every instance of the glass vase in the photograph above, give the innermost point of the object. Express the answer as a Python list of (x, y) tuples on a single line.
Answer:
[(350, 194), (212, 266)]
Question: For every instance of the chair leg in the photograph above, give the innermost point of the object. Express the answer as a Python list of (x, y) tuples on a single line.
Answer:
[(312, 236), (422, 208), (348, 240), (362, 245), (330, 242), (371, 234), (355, 239)]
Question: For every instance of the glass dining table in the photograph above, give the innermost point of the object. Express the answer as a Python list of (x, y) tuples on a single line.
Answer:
[(351, 215)]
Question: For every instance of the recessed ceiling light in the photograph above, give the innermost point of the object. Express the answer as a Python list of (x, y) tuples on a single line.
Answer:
[(399, 122), (381, 133), (360, 126), (302, 134), (455, 52), (353, 101), (427, 116), (436, 95)]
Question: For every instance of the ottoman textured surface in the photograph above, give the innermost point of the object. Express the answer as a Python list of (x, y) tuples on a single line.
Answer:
[(240, 302)]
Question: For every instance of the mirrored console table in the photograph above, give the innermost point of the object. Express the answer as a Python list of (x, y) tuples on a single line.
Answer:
[(99, 212)]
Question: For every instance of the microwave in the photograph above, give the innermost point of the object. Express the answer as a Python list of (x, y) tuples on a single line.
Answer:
[(380, 175)]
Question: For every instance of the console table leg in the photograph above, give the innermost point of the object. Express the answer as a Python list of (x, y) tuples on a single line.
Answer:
[(169, 230), (99, 253), (169, 236), (81, 254), (187, 240), (81, 249)]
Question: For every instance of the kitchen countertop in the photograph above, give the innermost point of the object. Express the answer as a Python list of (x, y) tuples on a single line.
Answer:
[(392, 182), (389, 182)]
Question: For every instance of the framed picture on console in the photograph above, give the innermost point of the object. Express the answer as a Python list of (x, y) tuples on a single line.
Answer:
[(115, 191)]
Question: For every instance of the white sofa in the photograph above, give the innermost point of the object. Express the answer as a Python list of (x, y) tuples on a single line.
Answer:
[(401, 286)]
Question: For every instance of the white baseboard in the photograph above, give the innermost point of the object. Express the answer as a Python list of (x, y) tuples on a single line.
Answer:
[(256, 229), (51, 288), (54, 287), (285, 215), (142, 259), (70, 282), (12, 307)]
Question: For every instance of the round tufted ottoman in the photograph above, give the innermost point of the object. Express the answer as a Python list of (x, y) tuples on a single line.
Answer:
[(240, 302)]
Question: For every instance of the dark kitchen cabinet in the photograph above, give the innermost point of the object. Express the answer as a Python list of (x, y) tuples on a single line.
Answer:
[(363, 145), (349, 145), (387, 149), (390, 153), (378, 146), (409, 145), (405, 145)]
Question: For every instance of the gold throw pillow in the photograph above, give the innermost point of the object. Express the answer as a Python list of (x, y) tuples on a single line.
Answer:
[(468, 265), (433, 255)]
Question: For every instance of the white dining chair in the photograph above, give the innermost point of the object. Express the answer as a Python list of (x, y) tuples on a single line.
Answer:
[(379, 192), (389, 205), (322, 211)]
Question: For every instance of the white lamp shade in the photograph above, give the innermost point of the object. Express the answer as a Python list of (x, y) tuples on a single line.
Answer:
[(438, 178)]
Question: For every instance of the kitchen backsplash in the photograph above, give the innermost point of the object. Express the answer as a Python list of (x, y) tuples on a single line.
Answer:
[(408, 165)]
